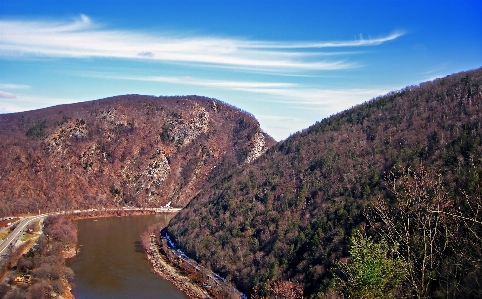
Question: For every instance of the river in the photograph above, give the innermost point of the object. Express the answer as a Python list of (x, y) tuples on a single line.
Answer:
[(111, 262)]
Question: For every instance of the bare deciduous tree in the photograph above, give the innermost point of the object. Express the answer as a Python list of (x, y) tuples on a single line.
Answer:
[(280, 289), (422, 221)]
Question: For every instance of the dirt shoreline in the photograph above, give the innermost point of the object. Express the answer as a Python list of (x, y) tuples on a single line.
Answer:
[(162, 268), (186, 274)]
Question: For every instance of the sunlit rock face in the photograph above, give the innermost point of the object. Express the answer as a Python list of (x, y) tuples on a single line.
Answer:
[(125, 150), (258, 147)]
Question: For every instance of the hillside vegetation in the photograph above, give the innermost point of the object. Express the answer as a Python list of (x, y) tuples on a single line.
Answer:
[(290, 215), (127, 150)]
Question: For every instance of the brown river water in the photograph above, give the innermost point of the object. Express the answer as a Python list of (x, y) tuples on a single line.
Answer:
[(111, 262)]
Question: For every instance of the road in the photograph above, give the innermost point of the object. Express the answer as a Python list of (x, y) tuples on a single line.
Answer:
[(17, 233)]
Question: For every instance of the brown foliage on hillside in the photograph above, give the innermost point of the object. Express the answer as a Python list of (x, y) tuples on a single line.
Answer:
[(45, 262), (280, 290), (289, 215), (127, 150)]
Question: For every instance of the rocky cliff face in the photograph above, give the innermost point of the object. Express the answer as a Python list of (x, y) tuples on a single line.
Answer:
[(126, 150), (258, 147)]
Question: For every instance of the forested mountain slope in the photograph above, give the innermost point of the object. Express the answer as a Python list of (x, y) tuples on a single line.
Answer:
[(289, 215), (126, 150)]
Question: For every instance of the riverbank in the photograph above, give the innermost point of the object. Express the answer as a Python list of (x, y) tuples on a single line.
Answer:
[(170, 273), (110, 213), (188, 276)]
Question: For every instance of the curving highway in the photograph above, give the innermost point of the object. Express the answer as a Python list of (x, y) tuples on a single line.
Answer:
[(17, 233)]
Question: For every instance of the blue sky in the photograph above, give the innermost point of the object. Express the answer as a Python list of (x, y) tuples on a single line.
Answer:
[(289, 63)]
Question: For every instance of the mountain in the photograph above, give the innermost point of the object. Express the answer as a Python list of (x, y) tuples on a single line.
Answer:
[(126, 150), (289, 214)]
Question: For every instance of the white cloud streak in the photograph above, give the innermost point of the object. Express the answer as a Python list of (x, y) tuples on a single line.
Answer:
[(296, 95), (335, 44), (83, 38), (23, 102), (188, 80), (13, 86), (6, 95)]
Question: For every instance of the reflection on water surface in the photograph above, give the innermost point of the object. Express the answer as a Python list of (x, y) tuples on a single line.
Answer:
[(111, 263)]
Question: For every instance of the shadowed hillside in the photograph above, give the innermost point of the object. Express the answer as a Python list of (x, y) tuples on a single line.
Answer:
[(289, 215), (127, 150)]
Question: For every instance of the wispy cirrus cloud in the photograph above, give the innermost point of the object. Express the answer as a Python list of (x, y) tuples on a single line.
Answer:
[(25, 102), (296, 95), (13, 86), (6, 95), (188, 80), (85, 38), (333, 44)]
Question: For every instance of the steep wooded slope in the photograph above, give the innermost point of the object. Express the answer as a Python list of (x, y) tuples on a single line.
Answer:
[(125, 150), (289, 214)]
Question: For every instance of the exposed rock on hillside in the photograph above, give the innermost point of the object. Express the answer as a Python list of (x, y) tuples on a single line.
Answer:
[(258, 147), (125, 150)]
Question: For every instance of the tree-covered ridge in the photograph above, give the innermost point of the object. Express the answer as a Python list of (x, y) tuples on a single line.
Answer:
[(131, 150), (290, 214)]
